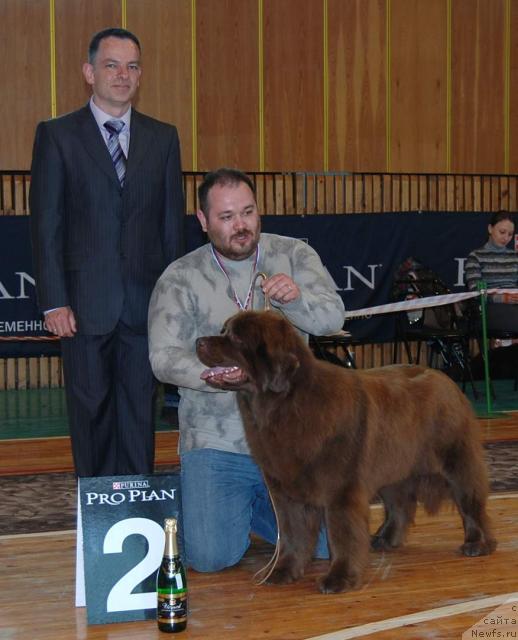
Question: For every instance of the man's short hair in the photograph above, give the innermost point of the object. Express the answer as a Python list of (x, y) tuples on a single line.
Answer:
[(111, 32), (221, 177)]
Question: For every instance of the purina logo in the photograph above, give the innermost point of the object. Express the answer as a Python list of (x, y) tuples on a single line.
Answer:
[(131, 484)]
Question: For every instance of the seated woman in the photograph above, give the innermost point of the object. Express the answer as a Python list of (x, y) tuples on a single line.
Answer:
[(497, 265)]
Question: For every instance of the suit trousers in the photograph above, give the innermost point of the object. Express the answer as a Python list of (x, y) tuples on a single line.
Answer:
[(110, 392)]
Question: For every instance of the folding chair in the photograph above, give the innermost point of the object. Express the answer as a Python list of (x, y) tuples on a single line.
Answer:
[(444, 329)]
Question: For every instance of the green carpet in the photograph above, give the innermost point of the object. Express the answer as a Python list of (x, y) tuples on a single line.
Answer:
[(32, 413), (42, 413), (505, 397)]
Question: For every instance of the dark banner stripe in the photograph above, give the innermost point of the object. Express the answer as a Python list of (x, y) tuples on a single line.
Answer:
[(361, 251)]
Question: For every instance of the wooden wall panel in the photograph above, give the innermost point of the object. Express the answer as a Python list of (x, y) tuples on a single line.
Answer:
[(418, 91), (76, 23), (357, 89), (513, 86), (227, 84), (228, 124), (164, 30), (25, 73), (293, 85), (478, 86)]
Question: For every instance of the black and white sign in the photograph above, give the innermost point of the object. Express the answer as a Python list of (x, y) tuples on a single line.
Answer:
[(121, 535), (21, 323)]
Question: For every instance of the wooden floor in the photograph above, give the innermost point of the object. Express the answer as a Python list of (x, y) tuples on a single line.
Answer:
[(51, 455), (424, 590)]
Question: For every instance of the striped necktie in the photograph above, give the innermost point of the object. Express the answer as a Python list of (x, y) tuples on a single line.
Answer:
[(114, 127)]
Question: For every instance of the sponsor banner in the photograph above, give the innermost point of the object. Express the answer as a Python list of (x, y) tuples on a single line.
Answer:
[(361, 251), (22, 331), (121, 543)]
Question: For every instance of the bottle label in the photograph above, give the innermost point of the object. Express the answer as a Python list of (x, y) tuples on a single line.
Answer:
[(170, 567), (172, 607)]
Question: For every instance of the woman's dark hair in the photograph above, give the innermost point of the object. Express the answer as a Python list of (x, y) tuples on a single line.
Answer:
[(499, 216), (221, 177), (111, 32)]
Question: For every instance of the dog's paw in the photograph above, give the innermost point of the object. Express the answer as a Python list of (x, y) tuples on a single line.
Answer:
[(478, 548), (283, 575), (336, 583), (379, 543)]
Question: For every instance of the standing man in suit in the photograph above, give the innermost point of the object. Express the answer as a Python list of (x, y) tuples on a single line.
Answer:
[(107, 218)]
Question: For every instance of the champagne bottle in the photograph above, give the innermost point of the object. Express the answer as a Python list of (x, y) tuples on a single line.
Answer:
[(171, 584)]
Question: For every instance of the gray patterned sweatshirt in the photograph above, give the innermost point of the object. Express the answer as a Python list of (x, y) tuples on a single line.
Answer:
[(193, 298)]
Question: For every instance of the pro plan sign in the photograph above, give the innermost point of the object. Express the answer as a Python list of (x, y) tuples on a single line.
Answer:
[(130, 491), (121, 525)]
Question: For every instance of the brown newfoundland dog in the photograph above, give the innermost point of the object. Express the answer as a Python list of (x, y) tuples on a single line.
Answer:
[(329, 439)]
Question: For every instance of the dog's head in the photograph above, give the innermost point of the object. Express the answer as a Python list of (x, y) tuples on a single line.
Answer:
[(263, 344)]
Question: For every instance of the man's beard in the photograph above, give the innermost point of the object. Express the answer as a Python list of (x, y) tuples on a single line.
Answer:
[(243, 251), (247, 245)]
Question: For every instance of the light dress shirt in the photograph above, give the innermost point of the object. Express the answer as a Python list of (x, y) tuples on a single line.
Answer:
[(101, 117)]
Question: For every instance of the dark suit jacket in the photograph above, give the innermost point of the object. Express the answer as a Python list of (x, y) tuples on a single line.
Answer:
[(98, 247)]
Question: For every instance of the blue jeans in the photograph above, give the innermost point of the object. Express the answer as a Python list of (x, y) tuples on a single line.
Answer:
[(224, 499)]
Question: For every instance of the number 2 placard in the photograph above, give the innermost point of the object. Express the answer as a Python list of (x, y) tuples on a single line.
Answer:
[(121, 596), (123, 542)]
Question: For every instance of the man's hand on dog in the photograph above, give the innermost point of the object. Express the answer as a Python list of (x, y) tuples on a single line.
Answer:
[(280, 288), (224, 377)]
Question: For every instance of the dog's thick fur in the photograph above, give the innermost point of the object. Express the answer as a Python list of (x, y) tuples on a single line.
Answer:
[(329, 439)]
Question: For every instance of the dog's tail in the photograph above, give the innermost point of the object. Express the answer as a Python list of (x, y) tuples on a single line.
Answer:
[(432, 490)]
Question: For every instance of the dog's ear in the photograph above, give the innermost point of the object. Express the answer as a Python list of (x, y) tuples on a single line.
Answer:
[(279, 378)]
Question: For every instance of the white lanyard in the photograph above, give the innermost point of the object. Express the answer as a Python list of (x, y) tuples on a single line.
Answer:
[(249, 294)]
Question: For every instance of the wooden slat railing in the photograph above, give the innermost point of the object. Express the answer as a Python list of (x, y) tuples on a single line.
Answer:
[(291, 193)]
